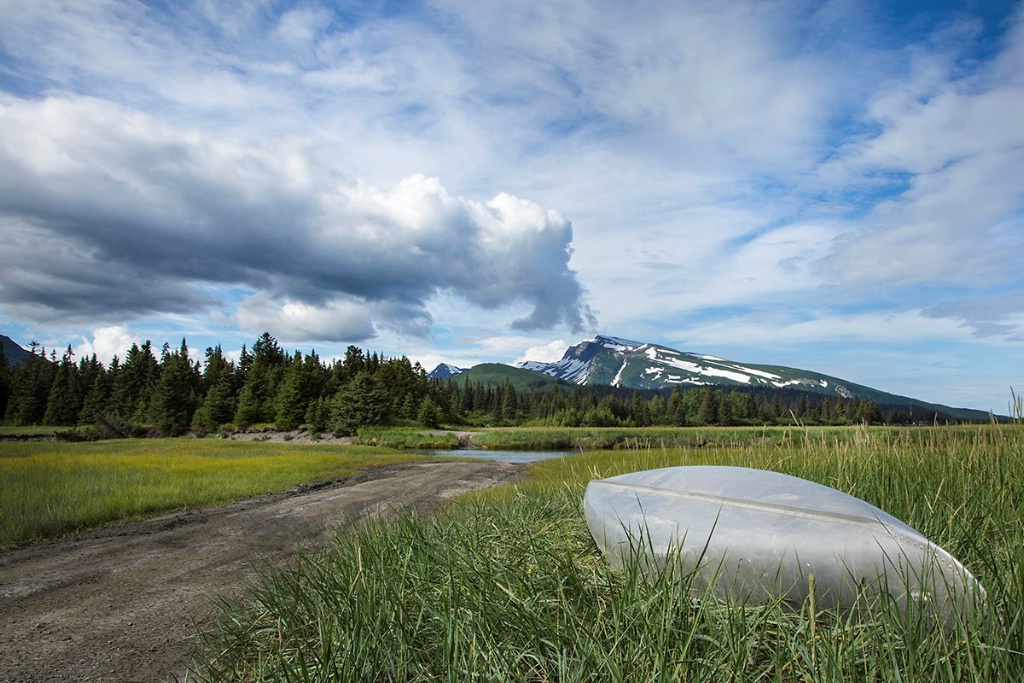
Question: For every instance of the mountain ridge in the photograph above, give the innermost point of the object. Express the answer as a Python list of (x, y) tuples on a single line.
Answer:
[(13, 351), (621, 362)]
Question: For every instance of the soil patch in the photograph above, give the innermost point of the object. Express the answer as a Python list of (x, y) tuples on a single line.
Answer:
[(123, 603)]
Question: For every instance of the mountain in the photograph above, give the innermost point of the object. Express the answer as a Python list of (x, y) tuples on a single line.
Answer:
[(13, 352), (493, 374), (445, 371), (625, 363)]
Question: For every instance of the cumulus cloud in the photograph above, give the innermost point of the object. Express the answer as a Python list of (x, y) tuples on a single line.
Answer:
[(107, 342), (545, 353), (113, 213)]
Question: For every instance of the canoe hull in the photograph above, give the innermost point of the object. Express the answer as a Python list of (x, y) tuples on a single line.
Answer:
[(754, 537)]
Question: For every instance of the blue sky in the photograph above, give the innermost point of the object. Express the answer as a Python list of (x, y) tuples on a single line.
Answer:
[(828, 185)]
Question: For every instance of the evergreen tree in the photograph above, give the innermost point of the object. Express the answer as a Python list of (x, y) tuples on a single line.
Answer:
[(304, 380), (133, 384), (638, 410), (318, 414), (256, 403), (363, 401), (219, 383), (65, 399), (725, 410), (708, 413), (248, 411), (174, 399), (354, 362), (5, 382), (31, 382), (430, 414), (97, 392)]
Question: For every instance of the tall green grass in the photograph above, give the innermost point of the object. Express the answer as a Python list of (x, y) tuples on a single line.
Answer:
[(509, 586), (638, 438), (49, 488)]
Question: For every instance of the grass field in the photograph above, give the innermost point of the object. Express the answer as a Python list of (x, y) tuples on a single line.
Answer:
[(49, 488), (508, 585)]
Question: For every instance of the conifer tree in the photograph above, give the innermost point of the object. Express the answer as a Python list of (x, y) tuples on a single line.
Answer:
[(304, 380), (219, 388), (133, 384), (174, 398), (64, 402), (363, 401), (256, 403), (31, 382), (708, 412), (97, 393), (725, 412), (5, 382), (430, 414)]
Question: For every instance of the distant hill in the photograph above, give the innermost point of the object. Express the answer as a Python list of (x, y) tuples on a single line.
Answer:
[(625, 363), (492, 374), (13, 352)]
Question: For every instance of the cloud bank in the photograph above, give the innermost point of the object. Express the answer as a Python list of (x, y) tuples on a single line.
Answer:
[(782, 182), (110, 213)]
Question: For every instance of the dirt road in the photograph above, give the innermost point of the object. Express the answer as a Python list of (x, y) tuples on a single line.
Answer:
[(122, 604)]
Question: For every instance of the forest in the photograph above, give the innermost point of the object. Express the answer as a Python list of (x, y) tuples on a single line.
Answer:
[(170, 394)]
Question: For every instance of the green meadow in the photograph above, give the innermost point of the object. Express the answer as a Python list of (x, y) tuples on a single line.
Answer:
[(507, 585), (50, 488)]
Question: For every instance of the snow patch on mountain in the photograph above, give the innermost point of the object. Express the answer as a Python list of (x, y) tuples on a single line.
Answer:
[(618, 343), (444, 371), (624, 362)]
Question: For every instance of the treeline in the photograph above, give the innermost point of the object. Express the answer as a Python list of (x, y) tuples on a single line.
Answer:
[(171, 394), (605, 406)]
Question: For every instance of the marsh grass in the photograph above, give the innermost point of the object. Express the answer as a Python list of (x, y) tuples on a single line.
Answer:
[(50, 488), (30, 431), (406, 438), (509, 586)]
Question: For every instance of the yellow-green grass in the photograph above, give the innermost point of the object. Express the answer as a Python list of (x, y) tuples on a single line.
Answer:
[(30, 431), (509, 586), (50, 488)]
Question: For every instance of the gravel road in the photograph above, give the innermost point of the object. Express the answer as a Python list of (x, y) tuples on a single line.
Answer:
[(123, 603)]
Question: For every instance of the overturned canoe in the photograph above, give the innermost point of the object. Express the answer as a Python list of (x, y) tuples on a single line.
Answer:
[(755, 536)]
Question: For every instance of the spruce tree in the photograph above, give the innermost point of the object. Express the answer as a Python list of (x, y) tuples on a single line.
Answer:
[(256, 403), (174, 398), (708, 412), (5, 382), (219, 391), (304, 380), (31, 382), (133, 384), (97, 394), (363, 401), (64, 402)]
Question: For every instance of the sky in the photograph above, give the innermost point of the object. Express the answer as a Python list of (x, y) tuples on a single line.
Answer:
[(834, 186)]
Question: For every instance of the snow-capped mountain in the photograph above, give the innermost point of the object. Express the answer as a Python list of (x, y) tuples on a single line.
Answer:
[(625, 363), (444, 371), (632, 364)]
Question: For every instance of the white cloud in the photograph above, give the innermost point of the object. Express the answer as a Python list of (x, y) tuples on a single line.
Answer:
[(359, 171), (176, 208), (545, 353), (108, 342), (958, 142), (821, 327)]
